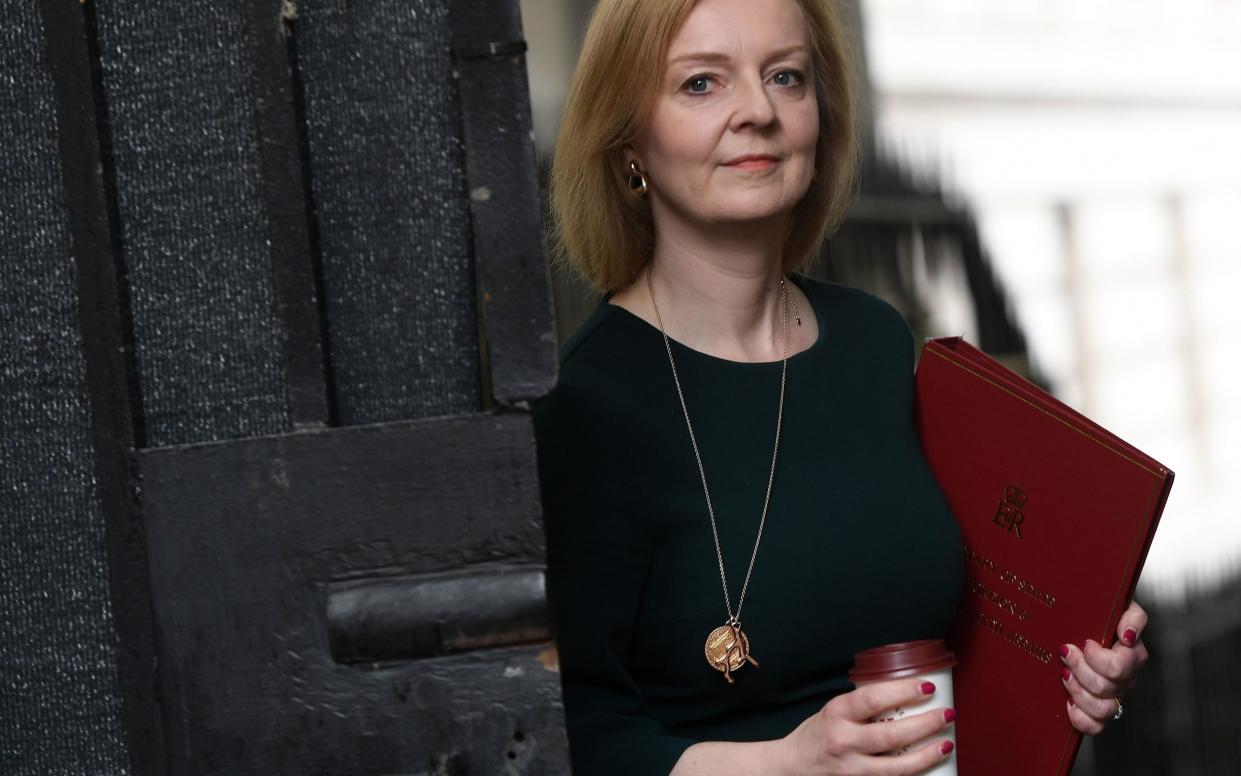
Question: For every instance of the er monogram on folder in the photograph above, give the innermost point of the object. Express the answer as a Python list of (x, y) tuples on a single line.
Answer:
[(1056, 517)]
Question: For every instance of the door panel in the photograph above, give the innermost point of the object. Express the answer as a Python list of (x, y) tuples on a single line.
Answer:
[(372, 594), (272, 322)]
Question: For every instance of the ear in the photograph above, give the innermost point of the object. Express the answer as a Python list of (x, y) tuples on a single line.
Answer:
[(628, 153)]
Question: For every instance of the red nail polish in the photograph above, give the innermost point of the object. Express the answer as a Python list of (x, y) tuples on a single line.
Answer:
[(1064, 672), (946, 747), (1130, 636), (1064, 650), (927, 688), (950, 715), (1071, 703)]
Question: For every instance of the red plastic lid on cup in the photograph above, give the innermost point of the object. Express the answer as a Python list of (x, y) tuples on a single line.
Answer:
[(896, 661)]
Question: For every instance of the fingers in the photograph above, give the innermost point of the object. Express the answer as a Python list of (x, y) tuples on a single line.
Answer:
[(872, 741), (867, 701), (918, 761), (1097, 708), (895, 735), (1105, 673), (1083, 722), (1118, 665), (1131, 625), (1095, 676)]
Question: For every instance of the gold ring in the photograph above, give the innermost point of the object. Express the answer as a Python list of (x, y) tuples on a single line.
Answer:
[(1120, 710)]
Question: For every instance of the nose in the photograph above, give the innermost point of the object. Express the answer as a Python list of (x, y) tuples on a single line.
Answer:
[(754, 106)]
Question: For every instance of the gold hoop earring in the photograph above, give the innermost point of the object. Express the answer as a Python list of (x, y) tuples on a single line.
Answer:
[(637, 181)]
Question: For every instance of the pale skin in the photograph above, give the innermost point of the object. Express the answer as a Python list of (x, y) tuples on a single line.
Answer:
[(719, 227), (727, 153)]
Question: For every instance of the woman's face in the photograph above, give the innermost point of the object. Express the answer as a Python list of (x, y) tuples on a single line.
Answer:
[(735, 123)]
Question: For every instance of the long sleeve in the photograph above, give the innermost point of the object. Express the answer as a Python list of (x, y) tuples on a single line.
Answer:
[(599, 555)]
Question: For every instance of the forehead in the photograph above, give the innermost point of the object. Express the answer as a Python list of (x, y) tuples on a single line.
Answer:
[(732, 26)]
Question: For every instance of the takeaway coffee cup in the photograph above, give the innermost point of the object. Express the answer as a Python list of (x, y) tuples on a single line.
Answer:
[(928, 660)]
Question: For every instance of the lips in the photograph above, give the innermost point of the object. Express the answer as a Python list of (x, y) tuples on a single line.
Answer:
[(755, 160)]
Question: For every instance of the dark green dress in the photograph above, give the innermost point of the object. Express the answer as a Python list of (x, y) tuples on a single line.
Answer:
[(859, 549)]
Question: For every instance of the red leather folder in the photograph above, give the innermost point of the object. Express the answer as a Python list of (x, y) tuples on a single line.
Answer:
[(1056, 517)]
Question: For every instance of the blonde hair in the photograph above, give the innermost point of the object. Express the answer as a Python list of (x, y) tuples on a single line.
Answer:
[(598, 226)]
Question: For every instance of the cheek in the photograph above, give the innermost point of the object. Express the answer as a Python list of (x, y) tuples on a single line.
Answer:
[(804, 139), (679, 144), (804, 131)]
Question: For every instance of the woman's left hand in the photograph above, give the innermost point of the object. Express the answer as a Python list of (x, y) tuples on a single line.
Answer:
[(1096, 677)]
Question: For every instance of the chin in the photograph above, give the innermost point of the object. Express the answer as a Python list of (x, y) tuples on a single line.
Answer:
[(753, 211), (761, 203)]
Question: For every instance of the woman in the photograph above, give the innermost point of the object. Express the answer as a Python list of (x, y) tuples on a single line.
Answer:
[(729, 463)]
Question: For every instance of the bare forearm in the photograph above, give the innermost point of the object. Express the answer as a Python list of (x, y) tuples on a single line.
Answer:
[(730, 758)]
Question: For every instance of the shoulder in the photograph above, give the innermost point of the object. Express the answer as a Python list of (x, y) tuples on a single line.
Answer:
[(584, 334), (852, 299), (598, 364), (859, 317), (609, 354), (869, 361), (584, 430)]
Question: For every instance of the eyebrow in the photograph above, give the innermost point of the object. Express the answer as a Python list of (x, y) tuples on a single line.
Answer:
[(713, 57)]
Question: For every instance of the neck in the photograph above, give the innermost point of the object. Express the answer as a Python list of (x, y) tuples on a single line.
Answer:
[(719, 292)]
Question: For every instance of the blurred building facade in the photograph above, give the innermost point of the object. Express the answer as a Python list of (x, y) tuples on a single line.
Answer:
[(1100, 146)]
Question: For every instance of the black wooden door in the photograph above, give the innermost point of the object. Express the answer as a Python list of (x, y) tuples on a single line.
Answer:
[(274, 306)]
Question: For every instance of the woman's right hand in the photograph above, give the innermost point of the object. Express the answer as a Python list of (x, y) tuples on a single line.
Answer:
[(840, 739)]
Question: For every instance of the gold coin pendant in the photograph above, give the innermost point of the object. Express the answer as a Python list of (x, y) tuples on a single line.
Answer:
[(728, 649)]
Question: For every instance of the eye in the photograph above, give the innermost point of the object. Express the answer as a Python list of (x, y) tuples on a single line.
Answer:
[(698, 84), (788, 78)]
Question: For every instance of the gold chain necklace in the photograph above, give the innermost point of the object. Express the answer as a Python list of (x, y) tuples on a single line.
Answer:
[(727, 648)]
